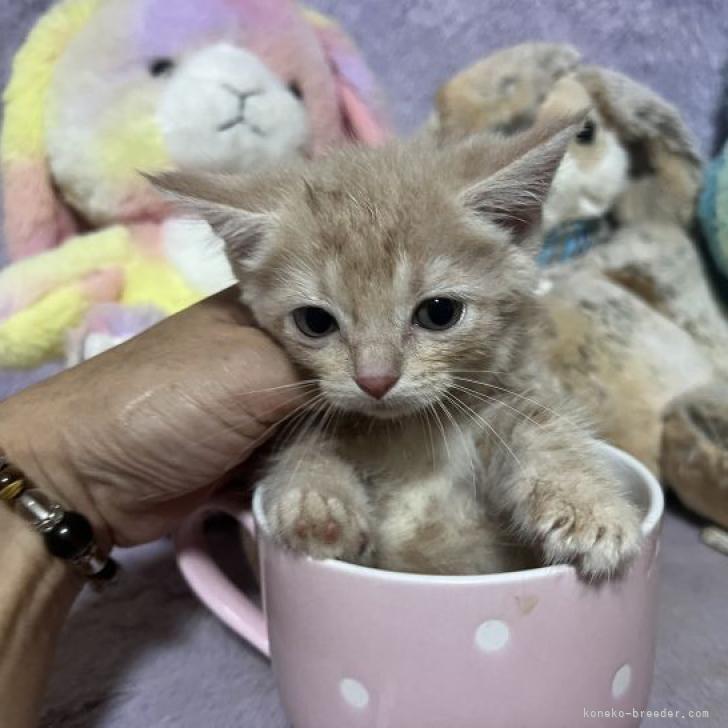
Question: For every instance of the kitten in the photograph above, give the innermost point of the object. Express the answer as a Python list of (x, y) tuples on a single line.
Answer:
[(402, 280)]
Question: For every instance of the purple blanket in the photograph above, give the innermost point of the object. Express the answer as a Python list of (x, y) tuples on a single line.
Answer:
[(147, 655)]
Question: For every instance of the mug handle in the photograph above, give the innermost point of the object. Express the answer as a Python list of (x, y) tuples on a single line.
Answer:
[(208, 581)]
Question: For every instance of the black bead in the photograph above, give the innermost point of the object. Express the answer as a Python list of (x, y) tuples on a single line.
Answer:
[(70, 537)]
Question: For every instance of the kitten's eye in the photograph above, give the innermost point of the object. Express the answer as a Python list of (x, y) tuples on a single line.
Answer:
[(587, 133), (295, 88), (161, 66), (438, 314), (314, 321)]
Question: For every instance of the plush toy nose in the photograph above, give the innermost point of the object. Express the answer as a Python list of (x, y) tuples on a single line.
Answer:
[(243, 96), (377, 386)]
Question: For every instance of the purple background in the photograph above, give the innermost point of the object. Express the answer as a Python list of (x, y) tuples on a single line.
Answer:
[(147, 655)]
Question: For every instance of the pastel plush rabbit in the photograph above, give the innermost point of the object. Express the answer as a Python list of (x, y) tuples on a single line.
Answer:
[(102, 90)]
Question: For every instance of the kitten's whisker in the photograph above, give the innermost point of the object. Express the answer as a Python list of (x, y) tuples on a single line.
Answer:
[(302, 414), (431, 408), (305, 417), (444, 433), (422, 414), (232, 426), (430, 435), (291, 428), (320, 411), (290, 385), (334, 419), (481, 371), (306, 383), (306, 396), (487, 398), (482, 420), (519, 396), (328, 420), (497, 374), (299, 411), (466, 443)]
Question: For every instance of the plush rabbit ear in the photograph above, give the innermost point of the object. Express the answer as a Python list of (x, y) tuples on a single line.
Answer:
[(360, 102), (665, 167), (35, 217), (502, 92)]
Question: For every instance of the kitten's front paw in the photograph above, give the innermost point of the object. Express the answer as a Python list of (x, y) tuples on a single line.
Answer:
[(319, 524), (599, 536)]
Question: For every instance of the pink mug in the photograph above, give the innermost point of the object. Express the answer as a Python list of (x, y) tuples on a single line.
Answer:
[(354, 647)]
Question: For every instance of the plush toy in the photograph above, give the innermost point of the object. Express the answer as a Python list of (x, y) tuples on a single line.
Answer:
[(634, 158), (635, 330), (713, 216), (102, 89)]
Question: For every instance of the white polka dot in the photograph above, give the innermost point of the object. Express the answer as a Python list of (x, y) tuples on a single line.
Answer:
[(354, 693), (492, 635), (621, 681)]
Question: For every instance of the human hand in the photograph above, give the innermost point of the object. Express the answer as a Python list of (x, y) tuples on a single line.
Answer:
[(139, 436)]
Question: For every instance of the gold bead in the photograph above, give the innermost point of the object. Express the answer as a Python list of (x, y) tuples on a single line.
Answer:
[(10, 491), (12, 481)]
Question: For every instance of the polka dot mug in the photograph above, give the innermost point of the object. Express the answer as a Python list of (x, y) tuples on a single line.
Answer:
[(354, 647)]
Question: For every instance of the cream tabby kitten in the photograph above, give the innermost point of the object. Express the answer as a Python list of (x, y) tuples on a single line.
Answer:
[(401, 280)]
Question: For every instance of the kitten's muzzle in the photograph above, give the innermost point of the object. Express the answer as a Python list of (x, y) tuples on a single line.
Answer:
[(377, 386)]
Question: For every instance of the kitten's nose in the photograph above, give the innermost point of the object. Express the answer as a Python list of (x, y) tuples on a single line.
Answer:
[(377, 386)]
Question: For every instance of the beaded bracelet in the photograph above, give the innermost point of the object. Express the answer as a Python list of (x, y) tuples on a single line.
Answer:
[(68, 535)]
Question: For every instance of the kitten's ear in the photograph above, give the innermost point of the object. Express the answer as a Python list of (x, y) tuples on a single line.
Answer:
[(513, 195), (215, 199)]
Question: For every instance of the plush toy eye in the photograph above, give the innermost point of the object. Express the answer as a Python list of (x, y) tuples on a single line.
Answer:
[(438, 314), (587, 133), (161, 66), (314, 321), (295, 88)]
